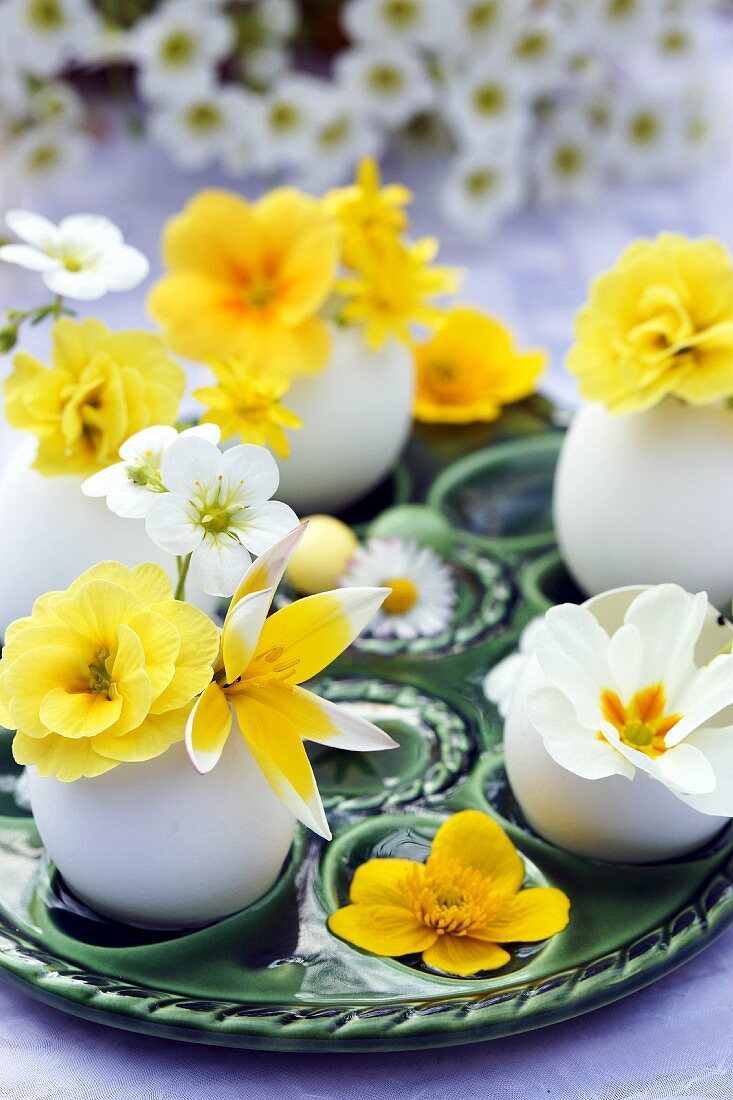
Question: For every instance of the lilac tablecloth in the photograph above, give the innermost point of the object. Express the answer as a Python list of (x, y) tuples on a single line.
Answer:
[(673, 1040)]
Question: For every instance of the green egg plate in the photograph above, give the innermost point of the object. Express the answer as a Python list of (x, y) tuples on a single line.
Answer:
[(272, 976)]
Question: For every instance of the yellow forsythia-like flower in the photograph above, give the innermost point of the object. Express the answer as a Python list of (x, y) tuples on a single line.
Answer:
[(104, 672), (369, 215), (246, 402), (455, 909), (660, 322), (101, 388), (246, 280), (470, 368)]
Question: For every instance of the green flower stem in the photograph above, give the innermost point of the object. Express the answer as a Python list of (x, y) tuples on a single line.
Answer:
[(15, 318), (183, 567)]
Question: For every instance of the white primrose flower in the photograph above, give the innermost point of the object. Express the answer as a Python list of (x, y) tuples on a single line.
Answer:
[(637, 699), (44, 35), (415, 22), (481, 189), (485, 104), (565, 161), (501, 682), (204, 127), (44, 155), (390, 83), (83, 257), (218, 509), (423, 593), (177, 47), (129, 485)]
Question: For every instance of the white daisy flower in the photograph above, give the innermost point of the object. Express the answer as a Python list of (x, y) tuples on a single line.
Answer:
[(288, 114), (83, 257), (177, 47), (485, 104), (565, 161), (481, 189), (202, 128), (390, 83), (636, 699), (501, 682), (218, 509), (44, 35), (423, 592), (130, 485), (415, 22), (44, 155), (644, 139)]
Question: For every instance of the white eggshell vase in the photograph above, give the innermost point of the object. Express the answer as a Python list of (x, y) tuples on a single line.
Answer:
[(617, 819), (51, 533), (357, 414), (647, 498), (160, 846)]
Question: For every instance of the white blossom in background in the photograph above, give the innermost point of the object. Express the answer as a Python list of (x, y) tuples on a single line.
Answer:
[(82, 257), (44, 155), (202, 128), (644, 138), (536, 51), (567, 167), (264, 64), (279, 18), (288, 116), (475, 25), (391, 83), (705, 125), (485, 103), (339, 134), (177, 46), (44, 36), (56, 103), (481, 189), (501, 682), (415, 22)]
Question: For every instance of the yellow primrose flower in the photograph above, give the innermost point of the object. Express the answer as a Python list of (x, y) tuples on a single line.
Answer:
[(247, 279), (455, 909), (470, 368), (246, 402), (660, 322), (369, 215), (392, 289), (258, 674), (104, 672), (102, 387)]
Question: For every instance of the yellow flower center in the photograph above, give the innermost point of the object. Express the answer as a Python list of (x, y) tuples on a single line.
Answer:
[(532, 45), (450, 898), (385, 78), (46, 15), (644, 128), (489, 99), (620, 9), (43, 157), (569, 160), (482, 15), (99, 676), (284, 117), (178, 48), (333, 135), (400, 13), (203, 117), (480, 183), (260, 293), (642, 723), (268, 669), (402, 598)]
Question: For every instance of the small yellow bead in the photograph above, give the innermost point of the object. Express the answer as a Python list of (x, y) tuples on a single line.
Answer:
[(320, 560)]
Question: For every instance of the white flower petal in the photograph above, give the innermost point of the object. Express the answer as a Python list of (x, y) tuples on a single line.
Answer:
[(256, 470), (713, 682), (130, 501), (123, 268), (101, 483), (169, 524), (25, 256), (155, 439), (34, 229), (84, 285), (588, 760), (265, 524), (212, 432), (669, 621), (625, 656), (187, 461), (717, 745), (218, 564), (553, 716), (90, 232), (572, 652), (686, 769)]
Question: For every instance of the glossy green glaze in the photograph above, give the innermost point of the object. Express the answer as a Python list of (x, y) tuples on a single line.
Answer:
[(273, 976)]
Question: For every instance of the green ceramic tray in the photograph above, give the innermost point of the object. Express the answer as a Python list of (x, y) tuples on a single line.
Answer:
[(273, 977)]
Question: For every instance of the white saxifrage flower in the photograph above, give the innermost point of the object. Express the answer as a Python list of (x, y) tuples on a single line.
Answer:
[(423, 593), (475, 25), (481, 189), (218, 509), (45, 154), (130, 485), (485, 104), (288, 115), (83, 257), (636, 699), (390, 82), (177, 47), (416, 22), (567, 167), (644, 138), (55, 103), (278, 18), (43, 35), (339, 136), (203, 127)]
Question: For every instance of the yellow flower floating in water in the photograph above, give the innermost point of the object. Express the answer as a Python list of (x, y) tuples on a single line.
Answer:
[(369, 215), (104, 672), (246, 402), (393, 287), (660, 322), (455, 909), (262, 663), (246, 280), (102, 387), (470, 368)]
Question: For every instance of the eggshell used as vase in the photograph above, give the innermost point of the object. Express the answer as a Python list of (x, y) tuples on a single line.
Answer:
[(647, 498), (51, 533), (156, 844), (356, 414), (617, 819)]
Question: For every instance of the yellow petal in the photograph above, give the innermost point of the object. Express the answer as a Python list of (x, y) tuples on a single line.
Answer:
[(59, 757), (214, 235), (476, 840), (150, 739), (32, 675), (463, 956), (161, 644), (81, 714), (241, 633), (379, 882), (199, 639), (318, 720), (528, 916), (386, 930), (279, 752), (315, 630), (267, 571), (207, 729), (97, 608)]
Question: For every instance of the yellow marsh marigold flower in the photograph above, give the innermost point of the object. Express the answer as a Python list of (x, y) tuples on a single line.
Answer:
[(104, 672), (246, 280), (369, 215), (101, 388), (246, 402), (660, 322), (470, 368), (393, 288), (456, 908)]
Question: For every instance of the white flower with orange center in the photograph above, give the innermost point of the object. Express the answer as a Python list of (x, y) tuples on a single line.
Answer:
[(261, 665), (637, 699), (420, 603)]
